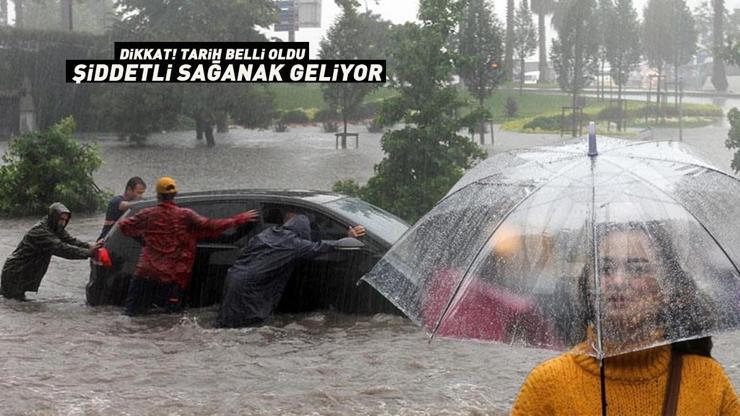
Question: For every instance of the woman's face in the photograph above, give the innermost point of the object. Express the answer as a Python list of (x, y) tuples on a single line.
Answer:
[(629, 268)]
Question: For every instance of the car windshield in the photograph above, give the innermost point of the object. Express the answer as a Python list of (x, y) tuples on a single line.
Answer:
[(389, 227)]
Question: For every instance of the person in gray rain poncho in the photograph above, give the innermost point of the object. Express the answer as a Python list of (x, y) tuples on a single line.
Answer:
[(255, 283), (25, 268)]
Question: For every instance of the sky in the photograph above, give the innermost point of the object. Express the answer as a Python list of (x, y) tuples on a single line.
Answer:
[(401, 11)]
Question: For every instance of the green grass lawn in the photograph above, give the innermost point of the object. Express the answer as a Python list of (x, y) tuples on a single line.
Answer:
[(530, 104)]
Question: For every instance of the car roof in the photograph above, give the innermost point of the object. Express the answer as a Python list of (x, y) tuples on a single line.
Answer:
[(317, 197)]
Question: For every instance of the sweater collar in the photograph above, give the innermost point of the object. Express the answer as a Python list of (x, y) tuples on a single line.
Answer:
[(634, 366)]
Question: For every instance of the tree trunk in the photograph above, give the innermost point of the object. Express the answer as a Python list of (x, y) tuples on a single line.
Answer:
[(65, 10), (208, 130), (509, 51), (543, 49), (521, 76), (675, 86), (199, 127), (482, 124), (659, 101), (222, 122), (577, 70), (719, 76), (344, 136), (619, 100)]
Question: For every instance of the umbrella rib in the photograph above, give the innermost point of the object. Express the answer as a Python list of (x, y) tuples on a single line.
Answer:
[(701, 224), (597, 278), (707, 167), (446, 310)]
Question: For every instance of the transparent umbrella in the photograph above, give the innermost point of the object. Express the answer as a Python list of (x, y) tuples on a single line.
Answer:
[(631, 248)]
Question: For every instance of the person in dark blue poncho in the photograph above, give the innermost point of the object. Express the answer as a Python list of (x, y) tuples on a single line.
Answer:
[(255, 283)]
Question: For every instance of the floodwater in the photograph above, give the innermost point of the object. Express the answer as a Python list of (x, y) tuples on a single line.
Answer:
[(61, 357)]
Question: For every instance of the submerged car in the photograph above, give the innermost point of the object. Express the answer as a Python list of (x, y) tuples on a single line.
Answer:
[(326, 282)]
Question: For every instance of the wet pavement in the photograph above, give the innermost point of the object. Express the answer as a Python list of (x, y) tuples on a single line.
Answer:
[(60, 357)]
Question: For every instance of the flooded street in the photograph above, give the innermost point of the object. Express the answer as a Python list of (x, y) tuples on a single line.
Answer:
[(61, 357)]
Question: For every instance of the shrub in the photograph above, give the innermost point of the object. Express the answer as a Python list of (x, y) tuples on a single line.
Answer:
[(297, 116), (325, 115), (511, 108), (367, 110), (49, 166), (546, 123), (330, 126), (375, 126), (347, 187)]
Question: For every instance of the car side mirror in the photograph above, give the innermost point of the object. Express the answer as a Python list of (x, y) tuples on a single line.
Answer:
[(348, 244)]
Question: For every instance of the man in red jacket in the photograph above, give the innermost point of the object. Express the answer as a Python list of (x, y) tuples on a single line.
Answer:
[(169, 235)]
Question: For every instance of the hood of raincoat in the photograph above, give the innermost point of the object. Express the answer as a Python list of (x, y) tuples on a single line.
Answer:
[(283, 236), (55, 211), (300, 225)]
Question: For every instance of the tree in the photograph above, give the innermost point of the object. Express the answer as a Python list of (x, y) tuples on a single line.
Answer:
[(509, 52), (542, 8), (50, 166), (574, 51), (719, 75), (525, 38), (733, 136), (479, 49), (205, 21), (134, 111), (732, 56), (684, 40), (88, 16), (657, 39), (622, 45), (604, 13), (427, 156), (352, 36)]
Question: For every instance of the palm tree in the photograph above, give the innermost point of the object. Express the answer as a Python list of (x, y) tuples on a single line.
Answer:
[(542, 8), (509, 44), (719, 76)]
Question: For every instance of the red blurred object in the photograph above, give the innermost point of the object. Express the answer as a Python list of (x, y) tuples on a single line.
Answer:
[(104, 257), (486, 312)]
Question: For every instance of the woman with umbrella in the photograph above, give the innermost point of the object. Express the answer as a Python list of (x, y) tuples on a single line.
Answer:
[(623, 253), (637, 265)]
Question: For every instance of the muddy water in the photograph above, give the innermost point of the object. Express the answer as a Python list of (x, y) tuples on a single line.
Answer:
[(60, 357)]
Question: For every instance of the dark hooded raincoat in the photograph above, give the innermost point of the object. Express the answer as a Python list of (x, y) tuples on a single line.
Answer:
[(255, 283), (25, 268)]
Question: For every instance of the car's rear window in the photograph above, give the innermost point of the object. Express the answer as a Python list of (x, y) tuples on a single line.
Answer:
[(386, 225)]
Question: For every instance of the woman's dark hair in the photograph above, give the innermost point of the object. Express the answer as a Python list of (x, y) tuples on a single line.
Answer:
[(685, 312)]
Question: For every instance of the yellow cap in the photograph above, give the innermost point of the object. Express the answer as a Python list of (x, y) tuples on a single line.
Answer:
[(166, 185)]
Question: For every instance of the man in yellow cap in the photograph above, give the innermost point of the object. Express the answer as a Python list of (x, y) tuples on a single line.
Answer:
[(170, 235)]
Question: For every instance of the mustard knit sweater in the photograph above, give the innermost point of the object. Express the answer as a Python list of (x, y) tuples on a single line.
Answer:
[(635, 385)]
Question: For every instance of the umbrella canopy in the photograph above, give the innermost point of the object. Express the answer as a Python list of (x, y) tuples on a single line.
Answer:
[(635, 247)]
